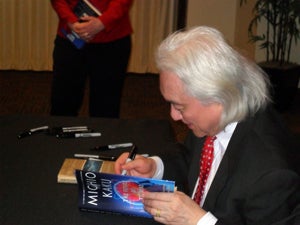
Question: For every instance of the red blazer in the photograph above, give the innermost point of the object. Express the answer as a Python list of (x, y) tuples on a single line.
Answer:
[(115, 17)]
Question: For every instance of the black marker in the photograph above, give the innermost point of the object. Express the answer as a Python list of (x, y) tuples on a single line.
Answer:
[(32, 131), (103, 157), (108, 158), (131, 157), (78, 135), (111, 147), (74, 129)]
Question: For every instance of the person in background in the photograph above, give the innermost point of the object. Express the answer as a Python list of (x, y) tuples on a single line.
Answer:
[(236, 137), (103, 59)]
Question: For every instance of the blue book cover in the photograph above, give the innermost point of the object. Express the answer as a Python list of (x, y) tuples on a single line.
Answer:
[(74, 38), (82, 8), (118, 194)]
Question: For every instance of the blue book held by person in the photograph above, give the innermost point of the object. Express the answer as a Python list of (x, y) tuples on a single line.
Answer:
[(117, 194)]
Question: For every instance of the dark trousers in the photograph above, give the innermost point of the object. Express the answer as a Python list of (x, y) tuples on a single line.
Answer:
[(103, 64)]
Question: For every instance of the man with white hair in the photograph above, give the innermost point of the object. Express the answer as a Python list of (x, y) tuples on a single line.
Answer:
[(234, 160)]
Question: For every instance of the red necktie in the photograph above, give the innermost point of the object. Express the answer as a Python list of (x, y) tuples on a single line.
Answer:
[(206, 160)]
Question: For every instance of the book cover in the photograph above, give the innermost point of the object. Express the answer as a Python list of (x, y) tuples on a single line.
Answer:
[(82, 8), (66, 173), (85, 8), (117, 194)]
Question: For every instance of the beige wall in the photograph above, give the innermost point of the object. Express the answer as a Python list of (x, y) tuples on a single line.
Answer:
[(232, 20), (225, 15), (211, 13), (242, 20)]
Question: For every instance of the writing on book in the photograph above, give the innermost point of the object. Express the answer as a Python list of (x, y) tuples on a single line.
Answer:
[(93, 188)]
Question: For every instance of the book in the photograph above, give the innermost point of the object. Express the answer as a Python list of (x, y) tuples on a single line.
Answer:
[(116, 194), (85, 8), (66, 173), (82, 8)]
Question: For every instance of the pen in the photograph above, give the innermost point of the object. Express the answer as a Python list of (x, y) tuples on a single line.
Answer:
[(78, 155), (131, 157), (78, 135), (103, 157), (112, 146), (75, 129), (32, 131), (108, 158), (58, 130)]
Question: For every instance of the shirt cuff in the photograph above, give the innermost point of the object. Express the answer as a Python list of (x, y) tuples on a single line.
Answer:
[(159, 167), (207, 219)]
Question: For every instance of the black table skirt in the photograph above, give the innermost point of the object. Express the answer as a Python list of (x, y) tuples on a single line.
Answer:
[(29, 192)]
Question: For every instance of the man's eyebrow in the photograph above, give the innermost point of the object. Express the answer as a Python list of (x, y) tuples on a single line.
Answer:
[(177, 104)]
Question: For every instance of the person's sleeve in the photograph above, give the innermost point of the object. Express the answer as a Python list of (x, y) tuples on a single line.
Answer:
[(64, 11), (159, 167), (116, 10), (175, 165), (207, 219)]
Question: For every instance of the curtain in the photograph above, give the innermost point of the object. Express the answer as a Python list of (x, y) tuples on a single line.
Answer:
[(27, 33), (28, 29), (152, 21)]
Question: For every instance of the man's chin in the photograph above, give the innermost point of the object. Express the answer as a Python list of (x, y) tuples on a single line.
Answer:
[(199, 133)]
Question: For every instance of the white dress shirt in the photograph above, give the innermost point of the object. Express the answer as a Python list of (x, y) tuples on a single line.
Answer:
[(220, 146)]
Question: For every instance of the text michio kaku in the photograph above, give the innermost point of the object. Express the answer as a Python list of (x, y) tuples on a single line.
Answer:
[(93, 188)]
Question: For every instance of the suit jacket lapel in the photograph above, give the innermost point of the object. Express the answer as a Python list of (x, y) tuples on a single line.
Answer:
[(217, 185), (227, 166), (195, 163)]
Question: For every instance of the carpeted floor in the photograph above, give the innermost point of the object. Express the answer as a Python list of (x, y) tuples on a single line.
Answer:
[(28, 92)]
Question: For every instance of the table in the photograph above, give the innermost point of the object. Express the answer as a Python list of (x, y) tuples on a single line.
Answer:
[(29, 192)]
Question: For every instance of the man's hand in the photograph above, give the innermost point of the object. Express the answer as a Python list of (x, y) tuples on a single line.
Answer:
[(140, 166), (172, 208)]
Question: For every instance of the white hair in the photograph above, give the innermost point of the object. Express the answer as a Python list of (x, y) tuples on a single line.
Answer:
[(212, 71)]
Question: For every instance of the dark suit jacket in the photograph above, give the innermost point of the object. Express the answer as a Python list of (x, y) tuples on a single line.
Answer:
[(254, 183)]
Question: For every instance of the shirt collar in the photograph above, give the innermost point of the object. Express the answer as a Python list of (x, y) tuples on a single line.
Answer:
[(224, 136)]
